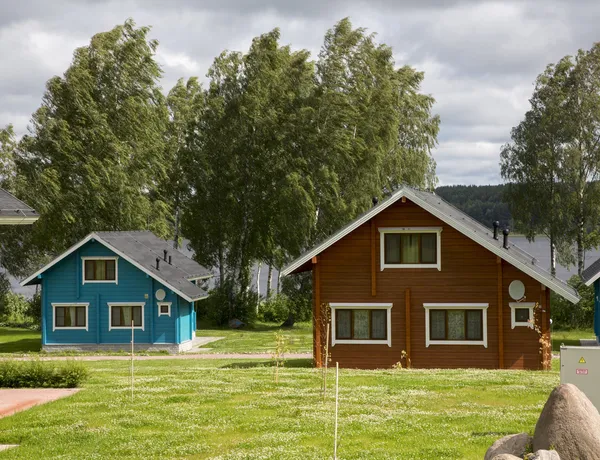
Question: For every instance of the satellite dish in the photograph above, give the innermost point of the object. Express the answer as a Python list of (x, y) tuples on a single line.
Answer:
[(516, 290), (160, 295)]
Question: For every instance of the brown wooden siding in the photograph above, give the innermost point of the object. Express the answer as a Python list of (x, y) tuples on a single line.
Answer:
[(469, 273)]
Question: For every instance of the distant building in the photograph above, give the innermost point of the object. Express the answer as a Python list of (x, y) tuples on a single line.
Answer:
[(14, 212), (97, 290), (591, 275)]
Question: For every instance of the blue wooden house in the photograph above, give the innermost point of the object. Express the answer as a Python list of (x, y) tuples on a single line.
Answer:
[(591, 275), (97, 290)]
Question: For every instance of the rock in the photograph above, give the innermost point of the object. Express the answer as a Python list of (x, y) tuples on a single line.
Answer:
[(514, 444), (236, 324), (570, 424), (506, 457), (543, 455)]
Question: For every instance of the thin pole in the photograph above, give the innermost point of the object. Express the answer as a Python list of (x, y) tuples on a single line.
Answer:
[(326, 360), (337, 371), (132, 339)]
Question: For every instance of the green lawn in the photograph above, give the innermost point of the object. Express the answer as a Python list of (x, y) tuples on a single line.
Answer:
[(233, 410), (570, 337), (17, 340), (260, 338)]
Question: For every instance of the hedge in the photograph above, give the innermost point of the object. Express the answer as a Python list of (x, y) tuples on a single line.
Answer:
[(41, 374)]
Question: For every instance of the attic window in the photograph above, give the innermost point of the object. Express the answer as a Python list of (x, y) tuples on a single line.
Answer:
[(100, 270), (164, 308), (410, 247)]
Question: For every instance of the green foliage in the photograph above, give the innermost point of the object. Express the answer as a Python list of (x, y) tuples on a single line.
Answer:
[(566, 315), (42, 374), (484, 203), (225, 303), (17, 310), (275, 309), (95, 152)]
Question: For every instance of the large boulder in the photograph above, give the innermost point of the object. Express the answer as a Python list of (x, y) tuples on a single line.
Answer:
[(569, 424), (506, 457), (514, 444), (543, 455)]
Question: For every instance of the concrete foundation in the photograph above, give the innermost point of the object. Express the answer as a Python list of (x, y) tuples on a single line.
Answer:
[(116, 347)]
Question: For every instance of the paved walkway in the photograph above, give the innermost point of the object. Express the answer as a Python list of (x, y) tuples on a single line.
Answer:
[(158, 357), (15, 400)]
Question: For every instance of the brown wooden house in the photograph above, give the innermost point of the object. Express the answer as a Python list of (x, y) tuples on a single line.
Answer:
[(414, 280)]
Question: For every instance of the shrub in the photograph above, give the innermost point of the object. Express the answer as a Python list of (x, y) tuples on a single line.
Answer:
[(276, 309), (14, 309), (225, 302), (565, 315), (41, 374)]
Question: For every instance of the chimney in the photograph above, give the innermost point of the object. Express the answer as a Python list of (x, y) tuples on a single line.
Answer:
[(170, 259), (505, 232), (375, 200), (158, 263), (496, 225), (165, 255)]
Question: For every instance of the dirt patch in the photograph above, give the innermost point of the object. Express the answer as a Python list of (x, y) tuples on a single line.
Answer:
[(15, 400)]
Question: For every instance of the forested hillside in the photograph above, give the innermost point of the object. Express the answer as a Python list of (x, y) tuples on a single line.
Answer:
[(482, 202)]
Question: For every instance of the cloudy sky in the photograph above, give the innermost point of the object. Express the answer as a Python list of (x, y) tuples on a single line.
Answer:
[(480, 58)]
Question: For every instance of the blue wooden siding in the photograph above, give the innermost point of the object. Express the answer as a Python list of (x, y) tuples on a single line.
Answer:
[(597, 308), (63, 283)]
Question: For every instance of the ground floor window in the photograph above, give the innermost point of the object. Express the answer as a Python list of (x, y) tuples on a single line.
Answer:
[(122, 315), (360, 323), (70, 316), (521, 314), (456, 324)]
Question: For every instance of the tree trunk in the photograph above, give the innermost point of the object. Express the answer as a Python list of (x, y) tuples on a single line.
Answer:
[(552, 256), (580, 236), (278, 279), (258, 285), (269, 276)]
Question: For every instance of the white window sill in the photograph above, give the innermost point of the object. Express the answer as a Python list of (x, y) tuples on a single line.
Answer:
[(361, 342), (384, 266), (456, 342), (125, 327), (100, 282), (70, 328), (527, 324)]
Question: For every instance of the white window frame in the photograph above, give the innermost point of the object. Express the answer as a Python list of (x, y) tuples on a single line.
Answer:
[(115, 258), (125, 304), (456, 306), (385, 230), (70, 304), (162, 304), (513, 321), (362, 306)]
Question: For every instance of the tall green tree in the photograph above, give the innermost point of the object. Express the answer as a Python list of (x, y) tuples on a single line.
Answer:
[(94, 155), (185, 103)]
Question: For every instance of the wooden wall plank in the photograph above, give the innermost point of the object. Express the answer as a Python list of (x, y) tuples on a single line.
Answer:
[(500, 308)]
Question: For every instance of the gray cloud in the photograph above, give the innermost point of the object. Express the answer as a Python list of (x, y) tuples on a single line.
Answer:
[(480, 57)]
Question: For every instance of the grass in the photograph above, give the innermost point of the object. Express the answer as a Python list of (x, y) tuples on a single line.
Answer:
[(17, 340), (225, 409), (259, 338), (570, 337)]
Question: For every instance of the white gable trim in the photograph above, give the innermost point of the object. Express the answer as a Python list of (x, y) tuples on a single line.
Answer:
[(592, 279), (93, 236), (457, 225)]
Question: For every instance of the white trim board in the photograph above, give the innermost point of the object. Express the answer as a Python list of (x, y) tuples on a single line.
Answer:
[(70, 304), (95, 237), (513, 306), (362, 306), (558, 286), (125, 304), (456, 306)]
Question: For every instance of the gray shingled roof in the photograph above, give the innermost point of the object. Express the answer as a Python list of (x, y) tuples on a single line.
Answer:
[(590, 273), (142, 248), (11, 207), (457, 219)]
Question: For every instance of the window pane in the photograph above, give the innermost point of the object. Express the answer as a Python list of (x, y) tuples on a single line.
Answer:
[(80, 317), (100, 270), (126, 315), (428, 248), (437, 319), (89, 269), (343, 321), (361, 324), (69, 316), (164, 309), (137, 316), (392, 248), (116, 316), (474, 325), (456, 325), (522, 315), (60, 316), (409, 252), (379, 324), (110, 269)]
